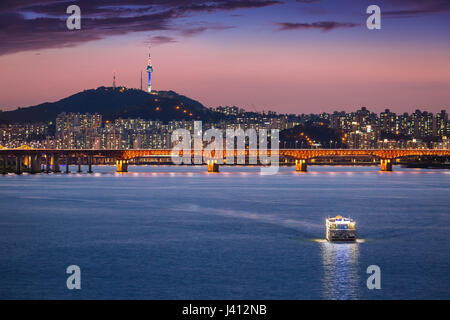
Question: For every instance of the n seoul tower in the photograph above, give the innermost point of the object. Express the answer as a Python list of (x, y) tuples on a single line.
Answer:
[(149, 71)]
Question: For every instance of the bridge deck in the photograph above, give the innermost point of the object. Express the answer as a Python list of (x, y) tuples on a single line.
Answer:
[(292, 153)]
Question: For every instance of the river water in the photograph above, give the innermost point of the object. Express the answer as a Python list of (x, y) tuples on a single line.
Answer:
[(172, 232)]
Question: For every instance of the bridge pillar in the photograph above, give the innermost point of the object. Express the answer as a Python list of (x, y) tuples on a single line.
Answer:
[(36, 163), (213, 166), (79, 165), (90, 164), (301, 166), (55, 163), (386, 164), (18, 164), (5, 164), (122, 165), (47, 163), (67, 163)]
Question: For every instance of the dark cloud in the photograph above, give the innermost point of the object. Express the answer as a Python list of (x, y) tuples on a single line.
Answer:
[(20, 34), (227, 5), (41, 24), (156, 40), (322, 25), (412, 8), (404, 8), (199, 28)]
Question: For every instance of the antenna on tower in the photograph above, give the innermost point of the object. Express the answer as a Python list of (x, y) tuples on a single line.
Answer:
[(149, 71), (114, 80)]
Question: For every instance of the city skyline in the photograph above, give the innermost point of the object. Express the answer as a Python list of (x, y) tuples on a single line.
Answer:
[(319, 57), (361, 129)]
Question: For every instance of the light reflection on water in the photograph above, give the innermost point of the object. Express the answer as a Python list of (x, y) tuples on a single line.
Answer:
[(340, 267)]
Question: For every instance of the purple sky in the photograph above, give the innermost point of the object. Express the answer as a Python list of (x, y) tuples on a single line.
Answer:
[(287, 56)]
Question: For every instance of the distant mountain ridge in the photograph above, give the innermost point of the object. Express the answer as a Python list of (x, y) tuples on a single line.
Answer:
[(113, 103)]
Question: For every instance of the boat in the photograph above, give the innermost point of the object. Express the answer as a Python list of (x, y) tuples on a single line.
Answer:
[(340, 229)]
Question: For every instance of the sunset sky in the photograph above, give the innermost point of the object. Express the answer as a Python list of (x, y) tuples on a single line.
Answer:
[(288, 56)]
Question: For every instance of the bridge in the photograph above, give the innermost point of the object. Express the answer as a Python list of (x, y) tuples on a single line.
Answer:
[(52, 158)]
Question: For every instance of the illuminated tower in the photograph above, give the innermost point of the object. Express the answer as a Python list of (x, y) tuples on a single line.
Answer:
[(149, 71)]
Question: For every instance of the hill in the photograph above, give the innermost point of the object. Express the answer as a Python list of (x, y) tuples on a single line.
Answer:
[(303, 136), (114, 103)]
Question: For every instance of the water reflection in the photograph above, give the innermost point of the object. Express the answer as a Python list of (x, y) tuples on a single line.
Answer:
[(340, 266)]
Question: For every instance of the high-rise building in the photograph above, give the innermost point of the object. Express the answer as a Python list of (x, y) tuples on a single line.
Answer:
[(418, 124), (387, 121), (440, 124), (428, 123)]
